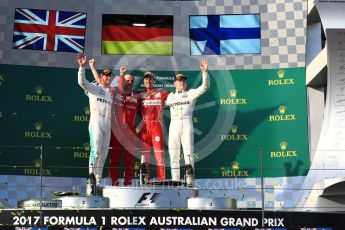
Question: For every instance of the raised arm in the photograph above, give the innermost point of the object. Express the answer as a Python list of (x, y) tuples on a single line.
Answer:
[(121, 80), (85, 84), (205, 80), (94, 70)]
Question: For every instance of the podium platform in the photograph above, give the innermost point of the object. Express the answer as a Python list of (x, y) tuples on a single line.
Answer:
[(211, 203), (151, 196), (84, 202)]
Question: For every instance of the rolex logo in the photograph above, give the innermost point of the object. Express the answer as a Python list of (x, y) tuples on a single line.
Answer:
[(282, 109), (83, 117), (87, 110), (282, 117), (233, 93), (234, 136), (232, 99), (280, 73), (234, 171), (82, 152), (37, 163), (39, 97), (282, 79), (38, 126), (234, 128), (235, 165), (86, 147), (283, 153), (283, 145), (38, 133), (37, 170), (39, 90)]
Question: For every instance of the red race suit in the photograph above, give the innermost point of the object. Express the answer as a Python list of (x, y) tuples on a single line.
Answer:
[(123, 135), (151, 128)]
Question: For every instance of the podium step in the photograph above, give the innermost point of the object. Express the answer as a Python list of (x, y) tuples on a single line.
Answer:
[(150, 196)]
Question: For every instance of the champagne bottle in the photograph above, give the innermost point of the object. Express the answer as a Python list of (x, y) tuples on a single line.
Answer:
[(189, 174), (143, 177), (92, 182)]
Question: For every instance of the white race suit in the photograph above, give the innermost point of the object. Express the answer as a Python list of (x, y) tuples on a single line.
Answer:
[(181, 125), (100, 99)]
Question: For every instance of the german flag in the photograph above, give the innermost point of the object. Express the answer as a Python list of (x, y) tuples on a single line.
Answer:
[(137, 34)]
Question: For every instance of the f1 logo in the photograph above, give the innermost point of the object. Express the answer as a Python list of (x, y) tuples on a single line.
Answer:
[(148, 198)]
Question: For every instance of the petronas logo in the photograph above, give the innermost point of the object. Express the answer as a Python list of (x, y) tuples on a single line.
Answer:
[(37, 163), (282, 109), (234, 128), (233, 93), (86, 147), (87, 110), (281, 73), (39, 90), (235, 165), (38, 126), (283, 145)]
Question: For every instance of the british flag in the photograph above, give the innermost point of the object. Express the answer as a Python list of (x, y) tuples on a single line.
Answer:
[(49, 30)]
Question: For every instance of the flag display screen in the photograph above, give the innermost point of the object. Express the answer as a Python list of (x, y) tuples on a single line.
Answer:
[(225, 34), (49, 30), (137, 34)]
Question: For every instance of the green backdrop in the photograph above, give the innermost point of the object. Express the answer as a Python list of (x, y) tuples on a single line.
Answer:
[(245, 112)]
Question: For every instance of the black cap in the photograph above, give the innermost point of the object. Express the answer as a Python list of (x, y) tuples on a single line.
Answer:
[(180, 76), (149, 74), (107, 72)]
